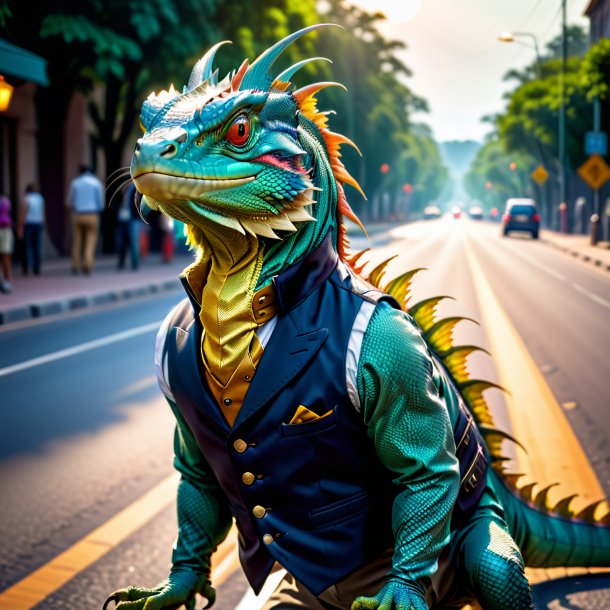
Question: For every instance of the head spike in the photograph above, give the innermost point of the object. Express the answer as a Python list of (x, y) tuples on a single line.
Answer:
[(239, 75), (287, 74), (202, 70), (304, 92), (257, 76)]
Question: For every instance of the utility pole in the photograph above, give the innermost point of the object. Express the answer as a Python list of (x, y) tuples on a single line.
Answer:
[(562, 108)]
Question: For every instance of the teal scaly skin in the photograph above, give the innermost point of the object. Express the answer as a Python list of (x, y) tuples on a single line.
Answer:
[(251, 168)]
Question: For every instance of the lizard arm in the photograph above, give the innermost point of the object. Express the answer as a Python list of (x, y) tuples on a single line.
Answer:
[(404, 409), (203, 523)]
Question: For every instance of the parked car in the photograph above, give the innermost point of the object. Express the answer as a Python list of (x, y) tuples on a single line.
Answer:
[(431, 211), (521, 215), (475, 212)]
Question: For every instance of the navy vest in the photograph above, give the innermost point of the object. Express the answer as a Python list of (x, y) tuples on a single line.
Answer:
[(320, 502), (312, 496)]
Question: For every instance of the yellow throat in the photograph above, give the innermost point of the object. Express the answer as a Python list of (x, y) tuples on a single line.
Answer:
[(231, 312)]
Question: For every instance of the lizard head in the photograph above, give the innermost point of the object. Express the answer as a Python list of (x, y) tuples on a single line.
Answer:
[(247, 153)]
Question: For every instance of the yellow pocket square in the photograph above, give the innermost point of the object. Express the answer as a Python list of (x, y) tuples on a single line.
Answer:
[(303, 414)]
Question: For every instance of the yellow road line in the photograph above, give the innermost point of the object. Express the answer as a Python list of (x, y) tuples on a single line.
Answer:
[(537, 420), (31, 590)]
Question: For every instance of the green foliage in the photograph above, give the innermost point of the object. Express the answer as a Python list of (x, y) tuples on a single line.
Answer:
[(375, 112), (127, 48), (491, 179), (528, 128), (577, 43), (596, 71)]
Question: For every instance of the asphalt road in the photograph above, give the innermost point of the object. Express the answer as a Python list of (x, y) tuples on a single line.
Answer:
[(83, 435)]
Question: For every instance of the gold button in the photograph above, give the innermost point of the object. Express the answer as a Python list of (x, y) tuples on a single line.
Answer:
[(227, 401), (259, 511), (247, 378), (240, 445), (261, 299), (248, 478), (267, 538)]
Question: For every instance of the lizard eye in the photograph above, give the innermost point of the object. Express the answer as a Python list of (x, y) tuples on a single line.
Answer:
[(239, 131)]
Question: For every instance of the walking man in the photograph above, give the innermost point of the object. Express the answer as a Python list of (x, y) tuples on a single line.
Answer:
[(86, 202)]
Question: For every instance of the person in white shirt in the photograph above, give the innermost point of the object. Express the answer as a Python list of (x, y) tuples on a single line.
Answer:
[(31, 227), (86, 200)]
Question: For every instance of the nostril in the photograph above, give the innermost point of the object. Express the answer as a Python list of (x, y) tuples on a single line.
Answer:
[(169, 150), (138, 146)]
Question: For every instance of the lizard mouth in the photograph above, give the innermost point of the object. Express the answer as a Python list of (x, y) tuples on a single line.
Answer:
[(165, 187)]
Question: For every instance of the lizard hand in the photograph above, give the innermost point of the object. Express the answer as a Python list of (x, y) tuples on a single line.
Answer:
[(178, 590), (394, 595)]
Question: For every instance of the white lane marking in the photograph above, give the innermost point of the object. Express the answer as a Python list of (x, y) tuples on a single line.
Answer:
[(597, 299), (540, 266), (250, 601), (79, 349)]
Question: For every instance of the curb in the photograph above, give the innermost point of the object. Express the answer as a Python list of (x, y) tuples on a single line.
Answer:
[(50, 307), (578, 254)]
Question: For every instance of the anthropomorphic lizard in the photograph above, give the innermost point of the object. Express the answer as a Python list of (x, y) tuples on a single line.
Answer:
[(341, 433)]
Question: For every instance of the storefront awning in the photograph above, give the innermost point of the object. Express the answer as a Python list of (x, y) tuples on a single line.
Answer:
[(19, 63)]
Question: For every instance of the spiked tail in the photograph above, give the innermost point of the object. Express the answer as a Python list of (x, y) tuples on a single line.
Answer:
[(552, 536)]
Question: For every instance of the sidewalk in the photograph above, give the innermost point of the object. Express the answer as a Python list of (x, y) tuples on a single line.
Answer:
[(56, 290), (580, 247)]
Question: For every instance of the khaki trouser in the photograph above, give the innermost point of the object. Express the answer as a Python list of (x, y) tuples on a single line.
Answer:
[(85, 228), (290, 594)]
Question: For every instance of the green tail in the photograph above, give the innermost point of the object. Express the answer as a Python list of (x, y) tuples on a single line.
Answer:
[(553, 537), (548, 536)]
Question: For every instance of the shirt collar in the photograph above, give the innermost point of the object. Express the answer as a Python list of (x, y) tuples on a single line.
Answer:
[(287, 289)]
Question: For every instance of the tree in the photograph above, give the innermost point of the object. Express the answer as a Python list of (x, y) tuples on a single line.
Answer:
[(123, 47)]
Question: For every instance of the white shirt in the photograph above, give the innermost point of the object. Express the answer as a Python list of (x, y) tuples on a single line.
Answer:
[(86, 194), (35, 208)]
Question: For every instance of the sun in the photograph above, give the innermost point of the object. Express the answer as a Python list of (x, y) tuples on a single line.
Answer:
[(397, 11)]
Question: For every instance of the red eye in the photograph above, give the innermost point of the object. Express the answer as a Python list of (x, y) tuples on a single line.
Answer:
[(239, 132)]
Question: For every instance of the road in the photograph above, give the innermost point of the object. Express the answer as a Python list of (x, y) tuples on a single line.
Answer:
[(84, 432)]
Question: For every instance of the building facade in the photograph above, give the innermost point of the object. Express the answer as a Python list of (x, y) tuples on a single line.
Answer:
[(598, 12)]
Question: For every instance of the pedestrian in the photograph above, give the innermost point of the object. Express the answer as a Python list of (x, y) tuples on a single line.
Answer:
[(86, 202), (6, 242), (31, 227), (128, 229)]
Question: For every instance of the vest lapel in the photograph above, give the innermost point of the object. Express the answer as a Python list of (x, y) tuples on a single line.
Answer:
[(286, 354), (186, 356)]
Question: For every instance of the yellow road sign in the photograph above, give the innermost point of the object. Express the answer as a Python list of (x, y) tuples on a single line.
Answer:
[(594, 171), (540, 175)]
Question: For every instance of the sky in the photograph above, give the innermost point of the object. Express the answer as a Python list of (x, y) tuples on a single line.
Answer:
[(456, 59)]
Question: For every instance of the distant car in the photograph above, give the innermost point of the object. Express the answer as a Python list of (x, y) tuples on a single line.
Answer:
[(431, 211), (476, 212), (456, 211), (521, 215)]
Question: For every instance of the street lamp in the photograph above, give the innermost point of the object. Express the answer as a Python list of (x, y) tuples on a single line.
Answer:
[(6, 92), (511, 36)]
